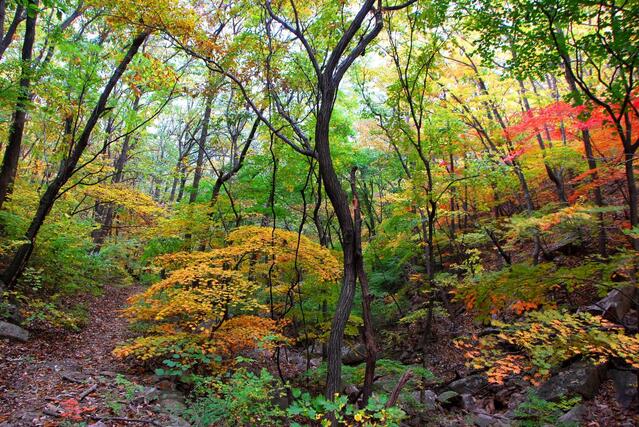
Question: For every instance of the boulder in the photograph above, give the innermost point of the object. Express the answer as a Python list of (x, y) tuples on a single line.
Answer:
[(467, 402), (469, 385), (316, 362), (615, 305), (580, 378), (430, 399), (146, 395), (165, 385), (447, 396), (353, 355), (429, 403), (9, 330), (171, 401), (176, 421), (625, 385), (351, 391), (575, 415), (74, 376), (485, 420)]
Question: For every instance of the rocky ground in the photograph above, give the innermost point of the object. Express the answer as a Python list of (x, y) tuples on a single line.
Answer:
[(72, 379), (63, 379)]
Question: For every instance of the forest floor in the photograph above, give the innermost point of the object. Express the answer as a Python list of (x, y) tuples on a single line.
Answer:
[(72, 379), (58, 379)]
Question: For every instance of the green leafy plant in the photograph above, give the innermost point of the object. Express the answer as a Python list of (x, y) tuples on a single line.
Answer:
[(243, 398), (536, 411)]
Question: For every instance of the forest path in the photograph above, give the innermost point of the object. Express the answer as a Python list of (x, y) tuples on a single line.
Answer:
[(75, 373)]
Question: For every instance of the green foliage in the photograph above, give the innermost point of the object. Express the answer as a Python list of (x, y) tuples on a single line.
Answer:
[(536, 411), (130, 388), (521, 287), (186, 364), (547, 339), (311, 409), (243, 398), (388, 368)]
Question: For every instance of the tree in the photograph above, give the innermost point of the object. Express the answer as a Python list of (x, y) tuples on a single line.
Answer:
[(68, 168), (586, 38), (12, 152), (328, 72)]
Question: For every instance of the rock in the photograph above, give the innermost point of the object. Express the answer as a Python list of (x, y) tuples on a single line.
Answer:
[(430, 399), (351, 391), (172, 405), (9, 330), (353, 355), (575, 415), (484, 420), (447, 396), (176, 421), (615, 305), (297, 360), (73, 376), (568, 244), (165, 385), (52, 410), (172, 402), (146, 395), (469, 385), (280, 398), (580, 378), (625, 385), (97, 424), (315, 349), (467, 402), (412, 400)]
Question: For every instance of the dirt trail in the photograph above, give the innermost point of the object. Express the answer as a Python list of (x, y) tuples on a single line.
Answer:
[(75, 372)]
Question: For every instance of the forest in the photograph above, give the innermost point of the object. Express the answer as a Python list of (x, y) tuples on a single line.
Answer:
[(319, 213)]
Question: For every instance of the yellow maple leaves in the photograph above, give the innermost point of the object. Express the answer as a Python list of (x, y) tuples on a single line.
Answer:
[(129, 198), (546, 339), (210, 300)]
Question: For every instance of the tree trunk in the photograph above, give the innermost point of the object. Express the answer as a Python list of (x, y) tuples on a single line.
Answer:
[(592, 165), (554, 176), (338, 199), (633, 195), (7, 38), (183, 176), (16, 131), (200, 152), (368, 335), (20, 259), (107, 212)]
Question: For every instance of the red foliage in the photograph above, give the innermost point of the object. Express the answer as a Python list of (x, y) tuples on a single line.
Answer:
[(73, 411)]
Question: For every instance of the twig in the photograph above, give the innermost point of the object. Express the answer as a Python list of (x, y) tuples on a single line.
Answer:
[(130, 420), (69, 378), (87, 392)]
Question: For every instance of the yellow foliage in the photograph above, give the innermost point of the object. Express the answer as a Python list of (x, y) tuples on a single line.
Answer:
[(209, 300), (127, 197), (547, 339)]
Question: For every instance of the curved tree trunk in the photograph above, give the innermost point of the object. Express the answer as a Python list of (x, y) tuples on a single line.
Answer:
[(340, 204)]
